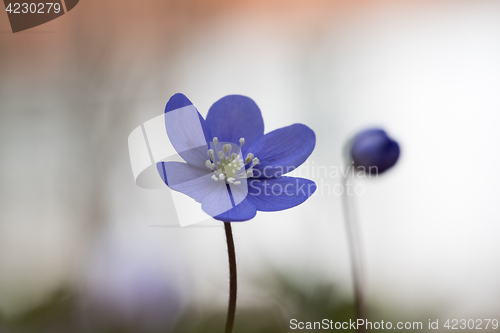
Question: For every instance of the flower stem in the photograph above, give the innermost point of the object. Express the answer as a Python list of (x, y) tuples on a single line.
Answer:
[(355, 251), (231, 309)]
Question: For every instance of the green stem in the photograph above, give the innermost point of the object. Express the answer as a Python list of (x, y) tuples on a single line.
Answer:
[(231, 309), (355, 252)]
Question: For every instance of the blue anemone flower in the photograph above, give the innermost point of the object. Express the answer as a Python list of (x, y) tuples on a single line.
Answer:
[(374, 151), (231, 167)]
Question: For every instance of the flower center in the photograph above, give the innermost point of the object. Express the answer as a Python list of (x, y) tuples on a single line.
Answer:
[(227, 166)]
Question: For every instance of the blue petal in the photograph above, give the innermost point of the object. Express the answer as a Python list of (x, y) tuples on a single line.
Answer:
[(178, 101), (187, 179), (215, 198), (218, 201), (243, 211), (187, 130), (274, 194), (282, 150), (233, 117)]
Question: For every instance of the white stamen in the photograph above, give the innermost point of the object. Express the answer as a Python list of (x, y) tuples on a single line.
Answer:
[(209, 164), (228, 167), (227, 148), (248, 158), (211, 154)]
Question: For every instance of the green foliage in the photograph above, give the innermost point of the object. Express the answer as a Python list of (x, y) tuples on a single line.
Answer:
[(286, 298)]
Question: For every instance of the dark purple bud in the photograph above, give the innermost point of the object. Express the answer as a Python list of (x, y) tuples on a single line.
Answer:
[(374, 151)]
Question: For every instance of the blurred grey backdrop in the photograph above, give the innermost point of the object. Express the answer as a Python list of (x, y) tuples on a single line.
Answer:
[(72, 90)]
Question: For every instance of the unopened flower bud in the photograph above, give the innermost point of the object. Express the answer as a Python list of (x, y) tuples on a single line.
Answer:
[(374, 151)]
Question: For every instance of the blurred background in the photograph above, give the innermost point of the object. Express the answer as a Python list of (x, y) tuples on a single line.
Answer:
[(80, 245)]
